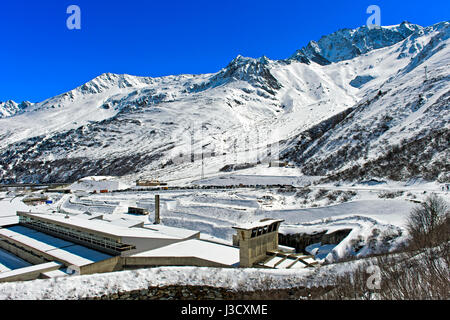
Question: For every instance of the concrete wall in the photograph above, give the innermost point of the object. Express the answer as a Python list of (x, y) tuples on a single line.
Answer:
[(141, 262), (26, 254), (108, 265), (145, 244), (177, 292), (28, 273), (253, 250), (35, 256)]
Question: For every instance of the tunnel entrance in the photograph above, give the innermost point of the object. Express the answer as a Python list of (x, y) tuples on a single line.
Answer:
[(300, 241)]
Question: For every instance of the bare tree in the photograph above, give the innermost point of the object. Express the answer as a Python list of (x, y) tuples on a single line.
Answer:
[(428, 224), (420, 272)]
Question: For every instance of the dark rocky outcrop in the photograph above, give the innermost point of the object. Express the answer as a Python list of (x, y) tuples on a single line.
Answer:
[(300, 241)]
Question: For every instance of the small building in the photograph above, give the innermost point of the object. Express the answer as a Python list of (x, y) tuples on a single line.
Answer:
[(52, 245), (34, 199), (258, 247), (87, 244), (149, 183), (140, 211), (98, 184), (278, 164), (255, 240)]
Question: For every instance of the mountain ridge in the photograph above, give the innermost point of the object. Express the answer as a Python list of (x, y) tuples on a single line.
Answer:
[(139, 126)]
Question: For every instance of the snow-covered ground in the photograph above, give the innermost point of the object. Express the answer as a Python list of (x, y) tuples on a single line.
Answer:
[(76, 287), (377, 221), (377, 224), (97, 184), (150, 127)]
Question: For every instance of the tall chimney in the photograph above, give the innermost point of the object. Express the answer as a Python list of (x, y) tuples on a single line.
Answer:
[(157, 219)]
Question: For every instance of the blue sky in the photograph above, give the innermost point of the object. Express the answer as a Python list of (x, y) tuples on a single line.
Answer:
[(40, 57)]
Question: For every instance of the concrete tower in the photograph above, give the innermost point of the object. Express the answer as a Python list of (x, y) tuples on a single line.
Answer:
[(255, 239)]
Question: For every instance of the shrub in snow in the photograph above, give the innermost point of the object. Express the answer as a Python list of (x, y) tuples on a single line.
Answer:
[(429, 223), (403, 276)]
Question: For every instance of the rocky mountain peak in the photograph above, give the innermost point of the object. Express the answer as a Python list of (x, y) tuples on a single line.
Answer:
[(346, 44), (10, 108)]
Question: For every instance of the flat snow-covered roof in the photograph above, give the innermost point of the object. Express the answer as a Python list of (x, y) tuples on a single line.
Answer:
[(172, 231), (78, 255), (259, 224), (206, 250), (58, 248), (8, 261), (8, 220), (99, 226)]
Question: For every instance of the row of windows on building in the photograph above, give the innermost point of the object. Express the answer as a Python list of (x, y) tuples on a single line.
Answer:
[(74, 234), (264, 230)]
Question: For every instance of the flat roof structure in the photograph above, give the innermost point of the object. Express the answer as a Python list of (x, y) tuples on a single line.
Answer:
[(209, 252), (260, 224), (30, 272), (97, 226), (134, 223), (10, 262), (8, 220), (117, 237), (53, 274), (280, 260), (173, 231), (127, 223)]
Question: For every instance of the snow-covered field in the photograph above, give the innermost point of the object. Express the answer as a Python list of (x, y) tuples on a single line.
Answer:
[(76, 287), (248, 113), (363, 208), (376, 222)]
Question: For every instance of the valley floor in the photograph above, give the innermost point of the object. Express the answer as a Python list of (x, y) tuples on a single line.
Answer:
[(375, 212)]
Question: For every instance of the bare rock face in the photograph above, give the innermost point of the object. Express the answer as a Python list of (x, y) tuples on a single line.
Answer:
[(347, 44), (300, 241)]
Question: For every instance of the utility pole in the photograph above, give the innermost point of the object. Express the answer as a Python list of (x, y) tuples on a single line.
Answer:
[(157, 213), (192, 146), (235, 151), (203, 166), (203, 158)]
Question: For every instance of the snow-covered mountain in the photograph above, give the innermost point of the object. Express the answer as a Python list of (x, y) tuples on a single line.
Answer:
[(10, 108), (343, 103), (399, 130), (347, 44)]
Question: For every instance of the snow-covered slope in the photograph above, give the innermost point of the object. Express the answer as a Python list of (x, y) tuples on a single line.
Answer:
[(313, 104), (400, 129)]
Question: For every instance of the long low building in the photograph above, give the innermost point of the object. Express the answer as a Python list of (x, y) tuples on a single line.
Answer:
[(37, 247), (100, 234), (86, 244)]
